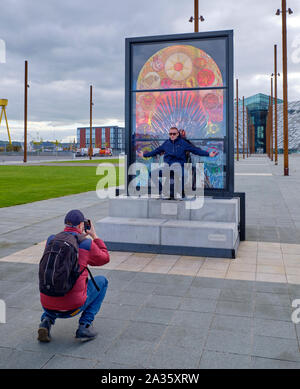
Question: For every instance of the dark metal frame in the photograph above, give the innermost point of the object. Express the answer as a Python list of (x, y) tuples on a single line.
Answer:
[(229, 138)]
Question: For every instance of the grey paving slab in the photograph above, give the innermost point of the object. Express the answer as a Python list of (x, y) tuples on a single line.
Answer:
[(229, 342), (220, 360), (272, 287), (149, 332), (236, 324), (109, 330), (294, 290), (140, 287), (9, 270), (173, 357), (12, 335), (26, 298), (266, 363), (235, 308), (198, 305), (119, 275), (119, 311), (130, 352), (203, 293), (8, 288), (275, 348), (242, 285), (180, 281), (234, 294), (159, 301), (112, 365), (117, 285), (154, 278), (199, 320), (126, 298), (185, 336), (208, 282), (272, 299), (155, 315), (274, 328), (12, 359), (273, 312), (171, 290), (67, 362)]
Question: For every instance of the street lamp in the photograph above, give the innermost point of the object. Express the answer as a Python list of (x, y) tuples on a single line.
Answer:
[(275, 74), (285, 96), (91, 122), (26, 86), (271, 120), (243, 127), (237, 119), (196, 17)]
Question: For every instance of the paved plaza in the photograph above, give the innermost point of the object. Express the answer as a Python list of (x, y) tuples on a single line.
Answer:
[(167, 311)]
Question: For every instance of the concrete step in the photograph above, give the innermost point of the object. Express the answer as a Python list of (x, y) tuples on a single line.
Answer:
[(129, 230), (156, 231), (209, 209)]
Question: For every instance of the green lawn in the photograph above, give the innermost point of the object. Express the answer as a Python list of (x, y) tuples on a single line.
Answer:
[(26, 184)]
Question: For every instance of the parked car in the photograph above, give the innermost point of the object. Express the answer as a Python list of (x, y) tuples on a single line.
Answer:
[(106, 152)]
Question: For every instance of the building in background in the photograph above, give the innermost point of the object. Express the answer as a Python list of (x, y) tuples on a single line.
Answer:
[(108, 137), (258, 107)]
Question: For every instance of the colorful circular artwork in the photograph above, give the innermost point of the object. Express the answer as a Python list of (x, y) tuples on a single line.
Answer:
[(172, 65), (199, 112)]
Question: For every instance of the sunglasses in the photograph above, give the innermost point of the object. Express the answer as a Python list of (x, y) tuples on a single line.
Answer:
[(173, 133)]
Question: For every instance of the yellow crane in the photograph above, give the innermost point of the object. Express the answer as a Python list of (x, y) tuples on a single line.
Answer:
[(3, 104)]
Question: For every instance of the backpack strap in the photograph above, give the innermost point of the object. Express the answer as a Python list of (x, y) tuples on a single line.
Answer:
[(93, 280), (80, 238)]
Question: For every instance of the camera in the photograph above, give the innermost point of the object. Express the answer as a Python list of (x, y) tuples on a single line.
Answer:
[(87, 225)]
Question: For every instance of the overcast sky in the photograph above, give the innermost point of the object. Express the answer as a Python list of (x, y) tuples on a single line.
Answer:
[(72, 44)]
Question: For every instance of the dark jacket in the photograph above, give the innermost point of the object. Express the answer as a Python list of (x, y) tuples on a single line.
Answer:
[(176, 151)]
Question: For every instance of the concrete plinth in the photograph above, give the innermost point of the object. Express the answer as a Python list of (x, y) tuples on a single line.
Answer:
[(172, 226)]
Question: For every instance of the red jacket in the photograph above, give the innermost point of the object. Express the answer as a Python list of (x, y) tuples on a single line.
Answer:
[(91, 252)]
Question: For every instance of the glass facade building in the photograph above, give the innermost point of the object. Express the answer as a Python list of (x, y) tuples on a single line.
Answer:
[(258, 106)]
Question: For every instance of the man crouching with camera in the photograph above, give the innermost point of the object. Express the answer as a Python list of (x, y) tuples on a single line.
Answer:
[(65, 290)]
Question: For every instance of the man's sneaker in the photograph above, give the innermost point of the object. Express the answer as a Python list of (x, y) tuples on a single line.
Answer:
[(44, 330), (85, 332)]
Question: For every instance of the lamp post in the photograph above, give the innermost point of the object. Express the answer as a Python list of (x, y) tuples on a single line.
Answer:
[(26, 86), (271, 121), (247, 127), (243, 127), (237, 119), (253, 138), (91, 122), (196, 17), (268, 137), (285, 96), (275, 74)]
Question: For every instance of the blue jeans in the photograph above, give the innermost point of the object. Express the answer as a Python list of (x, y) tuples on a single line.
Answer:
[(89, 309)]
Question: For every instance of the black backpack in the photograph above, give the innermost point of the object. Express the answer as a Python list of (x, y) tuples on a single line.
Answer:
[(59, 268)]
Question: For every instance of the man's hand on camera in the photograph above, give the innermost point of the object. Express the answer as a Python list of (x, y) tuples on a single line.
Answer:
[(92, 232)]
